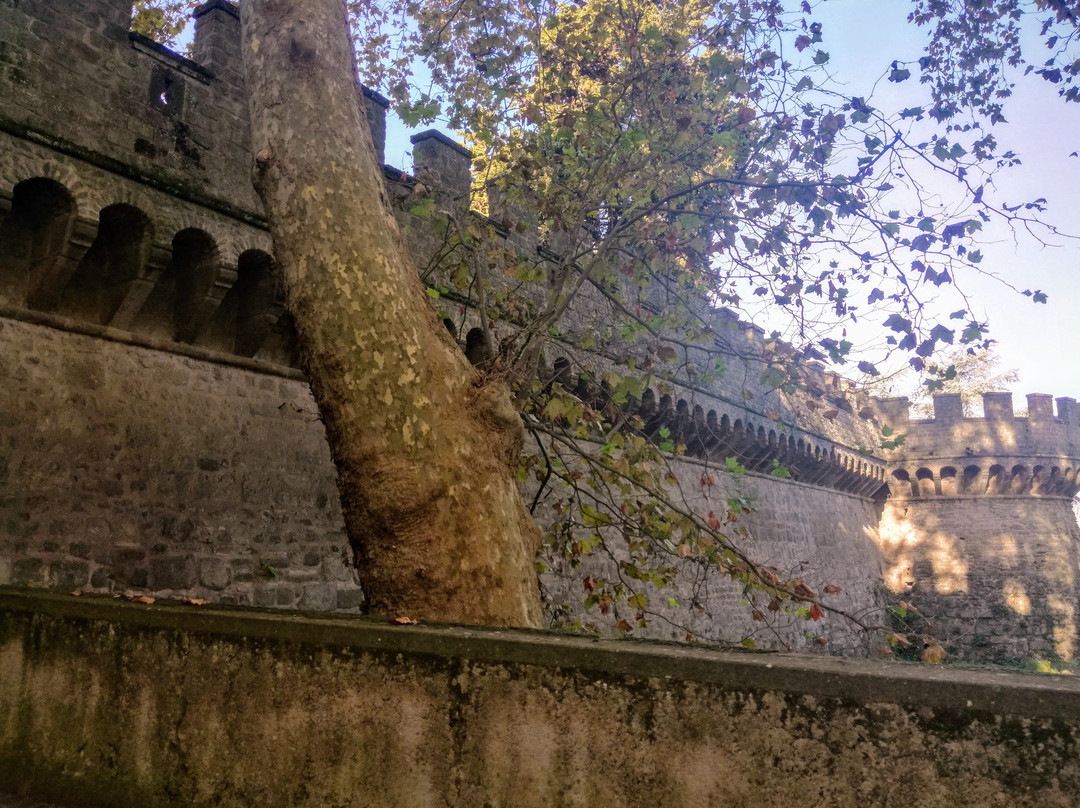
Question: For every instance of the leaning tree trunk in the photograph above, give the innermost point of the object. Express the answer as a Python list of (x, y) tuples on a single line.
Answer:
[(424, 451)]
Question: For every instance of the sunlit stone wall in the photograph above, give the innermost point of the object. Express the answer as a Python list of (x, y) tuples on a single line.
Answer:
[(979, 532)]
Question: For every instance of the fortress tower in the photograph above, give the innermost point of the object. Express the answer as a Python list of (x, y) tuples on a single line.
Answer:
[(978, 532)]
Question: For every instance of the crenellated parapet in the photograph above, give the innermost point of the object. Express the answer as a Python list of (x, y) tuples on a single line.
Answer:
[(998, 454)]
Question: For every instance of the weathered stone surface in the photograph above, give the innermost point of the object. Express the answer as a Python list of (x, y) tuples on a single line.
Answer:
[(304, 711)]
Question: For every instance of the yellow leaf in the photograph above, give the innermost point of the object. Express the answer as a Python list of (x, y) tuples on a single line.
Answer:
[(933, 654)]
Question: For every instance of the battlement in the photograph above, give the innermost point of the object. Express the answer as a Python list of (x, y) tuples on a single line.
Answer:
[(999, 453)]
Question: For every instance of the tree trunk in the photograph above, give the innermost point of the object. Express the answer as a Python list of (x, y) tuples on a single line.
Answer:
[(425, 451)]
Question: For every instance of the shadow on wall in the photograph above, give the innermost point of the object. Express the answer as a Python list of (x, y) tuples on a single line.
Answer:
[(116, 271), (994, 580)]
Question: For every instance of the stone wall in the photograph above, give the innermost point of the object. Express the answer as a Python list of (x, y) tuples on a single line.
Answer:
[(979, 531), (107, 703), (994, 578), (131, 469), (157, 435), (819, 535)]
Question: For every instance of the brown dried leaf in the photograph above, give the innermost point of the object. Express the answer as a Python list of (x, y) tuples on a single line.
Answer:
[(197, 601), (403, 621), (77, 593), (898, 640), (801, 590), (821, 641), (623, 626), (147, 599), (815, 612), (685, 551), (833, 589)]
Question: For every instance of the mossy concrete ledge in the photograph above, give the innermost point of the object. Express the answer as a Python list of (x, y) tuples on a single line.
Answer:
[(109, 703)]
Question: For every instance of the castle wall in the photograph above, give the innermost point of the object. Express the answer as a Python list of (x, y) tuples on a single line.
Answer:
[(131, 469), (156, 435), (994, 578), (819, 535), (72, 72)]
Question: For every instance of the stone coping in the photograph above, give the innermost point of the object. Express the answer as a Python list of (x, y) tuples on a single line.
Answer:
[(864, 682)]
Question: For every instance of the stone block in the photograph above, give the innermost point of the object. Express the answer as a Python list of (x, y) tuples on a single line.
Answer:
[(242, 570), (173, 572), (28, 572), (351, 598), (287, 594), (214, 573), (69, 574), (319, 597)]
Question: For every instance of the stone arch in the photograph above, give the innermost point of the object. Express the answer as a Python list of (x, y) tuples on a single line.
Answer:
[(62, 173), (924, 480), (1039, 478), (970, 484), (475, 347), (177, 307), (948, 481), (900, 485), (1019, 480), (111, 267), (249, 309), (33, 240), (996, 482)]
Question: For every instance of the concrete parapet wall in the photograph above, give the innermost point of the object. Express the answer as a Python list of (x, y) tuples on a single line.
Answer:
[(106, 703)]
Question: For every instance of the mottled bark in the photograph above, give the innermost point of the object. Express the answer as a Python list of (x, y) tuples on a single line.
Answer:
[(425, 452)]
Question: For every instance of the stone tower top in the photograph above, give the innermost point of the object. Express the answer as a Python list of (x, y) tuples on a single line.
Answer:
[(998, 453)]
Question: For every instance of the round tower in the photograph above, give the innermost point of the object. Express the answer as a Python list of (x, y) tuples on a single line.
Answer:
[(979, 532)]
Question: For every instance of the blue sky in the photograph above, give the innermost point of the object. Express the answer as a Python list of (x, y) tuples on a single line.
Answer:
[(863, 38)]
